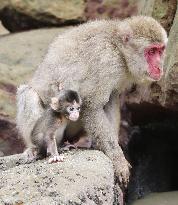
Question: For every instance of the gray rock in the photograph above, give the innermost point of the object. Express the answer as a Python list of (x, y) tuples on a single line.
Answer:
[(171, 65), (3, 31), (18, 15), (85, 177)]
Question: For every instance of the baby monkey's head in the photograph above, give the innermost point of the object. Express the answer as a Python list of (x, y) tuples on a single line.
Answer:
[(67, 103)]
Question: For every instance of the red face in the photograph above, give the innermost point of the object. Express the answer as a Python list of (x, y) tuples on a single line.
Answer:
[(153, 55)]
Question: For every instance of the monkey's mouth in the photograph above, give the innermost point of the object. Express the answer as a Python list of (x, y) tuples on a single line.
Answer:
[(73, 119), (155, 73)]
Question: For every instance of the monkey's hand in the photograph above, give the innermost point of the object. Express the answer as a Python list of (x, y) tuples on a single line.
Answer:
[(122, 171), (56, 158)]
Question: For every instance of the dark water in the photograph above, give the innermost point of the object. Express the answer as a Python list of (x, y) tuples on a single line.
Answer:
[(164, 198), (153, 153)]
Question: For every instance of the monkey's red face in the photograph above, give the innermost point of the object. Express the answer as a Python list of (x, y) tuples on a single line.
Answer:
[(153, 55)]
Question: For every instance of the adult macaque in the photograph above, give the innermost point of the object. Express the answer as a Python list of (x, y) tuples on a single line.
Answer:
[(99, 60), (62, 109)]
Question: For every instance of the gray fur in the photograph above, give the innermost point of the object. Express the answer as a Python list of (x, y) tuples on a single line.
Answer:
[(44, 139), (99, 60)]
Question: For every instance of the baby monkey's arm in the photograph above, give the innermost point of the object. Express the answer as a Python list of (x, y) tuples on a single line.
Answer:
[(52, 149)]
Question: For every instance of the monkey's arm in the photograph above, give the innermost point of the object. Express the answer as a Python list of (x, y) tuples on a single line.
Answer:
[(98, 126)]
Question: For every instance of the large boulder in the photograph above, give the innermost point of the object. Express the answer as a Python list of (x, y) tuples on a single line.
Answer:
[(19, 15), (85, 177)]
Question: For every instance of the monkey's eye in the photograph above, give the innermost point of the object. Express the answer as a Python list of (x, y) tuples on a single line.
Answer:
[(78, 108), (160, 52), (71, 109)]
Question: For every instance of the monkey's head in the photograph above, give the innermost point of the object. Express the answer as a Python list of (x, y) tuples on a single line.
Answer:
[(144, 41), (67, 103)]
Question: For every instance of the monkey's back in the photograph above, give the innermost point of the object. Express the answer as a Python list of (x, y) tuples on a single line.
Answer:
[(81, 59)]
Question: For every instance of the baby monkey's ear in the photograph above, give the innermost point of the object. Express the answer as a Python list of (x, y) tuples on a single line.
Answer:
[(54, 103)]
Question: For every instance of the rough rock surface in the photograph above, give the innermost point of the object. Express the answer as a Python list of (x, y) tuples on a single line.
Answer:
[(3, 31), (85, 177), (99, 9), (171, 65), (163, 11), (18, 15)]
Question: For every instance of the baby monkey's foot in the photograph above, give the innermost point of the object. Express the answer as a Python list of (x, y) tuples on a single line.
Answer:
[(56, 158), (68, 147)]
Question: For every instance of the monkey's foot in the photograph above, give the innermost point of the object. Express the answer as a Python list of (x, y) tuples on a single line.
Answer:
[(68, 146), (83, 142), (57, 158), (31, 154)]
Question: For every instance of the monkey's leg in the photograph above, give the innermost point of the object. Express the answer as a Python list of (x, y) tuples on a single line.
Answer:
[(29, 110), (83, 142), (52, 149), (31, 154), (112, 110), (98, 126)]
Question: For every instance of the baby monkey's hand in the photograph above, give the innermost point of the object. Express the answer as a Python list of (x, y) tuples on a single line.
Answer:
[(56, 158)]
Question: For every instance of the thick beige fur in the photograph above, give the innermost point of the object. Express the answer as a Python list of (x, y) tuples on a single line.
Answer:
[(99, 60)]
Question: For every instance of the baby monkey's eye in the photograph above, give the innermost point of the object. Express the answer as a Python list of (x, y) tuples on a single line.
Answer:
[(78, 108)]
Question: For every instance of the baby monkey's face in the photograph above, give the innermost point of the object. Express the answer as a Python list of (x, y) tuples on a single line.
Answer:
[(67, 103), (72, 111), (69, 110)]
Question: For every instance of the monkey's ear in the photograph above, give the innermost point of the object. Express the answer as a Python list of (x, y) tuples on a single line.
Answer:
[(54, 103), (126, 38), (126, 34)]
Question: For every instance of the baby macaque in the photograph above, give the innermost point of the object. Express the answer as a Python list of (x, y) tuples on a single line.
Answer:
[(49, 129)]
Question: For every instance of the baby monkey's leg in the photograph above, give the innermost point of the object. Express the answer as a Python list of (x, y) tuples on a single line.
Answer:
[(52, 150)]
